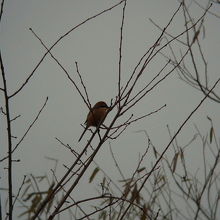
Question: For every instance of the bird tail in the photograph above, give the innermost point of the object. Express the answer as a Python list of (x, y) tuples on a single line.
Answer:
[(82, 134)]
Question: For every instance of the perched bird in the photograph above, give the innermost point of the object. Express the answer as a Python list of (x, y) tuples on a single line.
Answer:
[(96, 116)]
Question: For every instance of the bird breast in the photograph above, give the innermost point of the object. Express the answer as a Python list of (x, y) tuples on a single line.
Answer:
[(96, 116)]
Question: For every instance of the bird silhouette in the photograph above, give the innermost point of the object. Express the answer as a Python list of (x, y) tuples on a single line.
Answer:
[(95, 116)]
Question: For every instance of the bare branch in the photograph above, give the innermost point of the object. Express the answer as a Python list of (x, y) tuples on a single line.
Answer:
[(57, 41), (19, 190), (9, 140), (120, 53), (27, 131), (204, 8), (167, 147), (83, 84), (62, 67)]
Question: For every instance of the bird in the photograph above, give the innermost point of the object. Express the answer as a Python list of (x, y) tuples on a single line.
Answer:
[(96, 116)]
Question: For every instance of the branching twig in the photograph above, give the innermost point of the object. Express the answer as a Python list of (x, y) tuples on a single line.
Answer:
[(58, 40), (9, 139), (85, 167), (19, 190), (83, 84), (167, 147), (120, 53), (26, 132)]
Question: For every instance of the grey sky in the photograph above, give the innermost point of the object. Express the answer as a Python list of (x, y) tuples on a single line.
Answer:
[(95, 47)]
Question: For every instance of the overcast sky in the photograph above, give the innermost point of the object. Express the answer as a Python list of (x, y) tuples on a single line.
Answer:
[(95, 47)]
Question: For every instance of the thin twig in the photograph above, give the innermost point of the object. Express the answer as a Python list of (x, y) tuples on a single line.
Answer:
[(100, 197), (86, 166), (59, 184), (28, 129), (9, 137), (61, 66), (115, 161), (202, 7), (145, 87), (151, 55), (1, 12), (19, 190), (120, 53), (167, 147), (13, 119), (83, 84), (57, 41), (154, 23)]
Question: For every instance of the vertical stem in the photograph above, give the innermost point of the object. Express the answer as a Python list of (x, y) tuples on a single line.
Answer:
[(60, 204), (120, 53), (7, 112)]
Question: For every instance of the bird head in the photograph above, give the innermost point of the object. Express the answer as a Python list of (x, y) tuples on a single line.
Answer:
[(100, 104)]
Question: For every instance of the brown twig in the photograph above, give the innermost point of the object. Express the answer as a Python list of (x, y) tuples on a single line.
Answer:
[(132, 181), (59, 184), (145, 87), (120, 52), (84, 87), (28, 129), (149, 58), (204, 8), (153, 55), (170, 35), (77, 205), (111, 197), (62, 67), (85, 167), (9, 140), (167, 147), (190, 79), (13, 119), (19, 190), (57, 41)]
